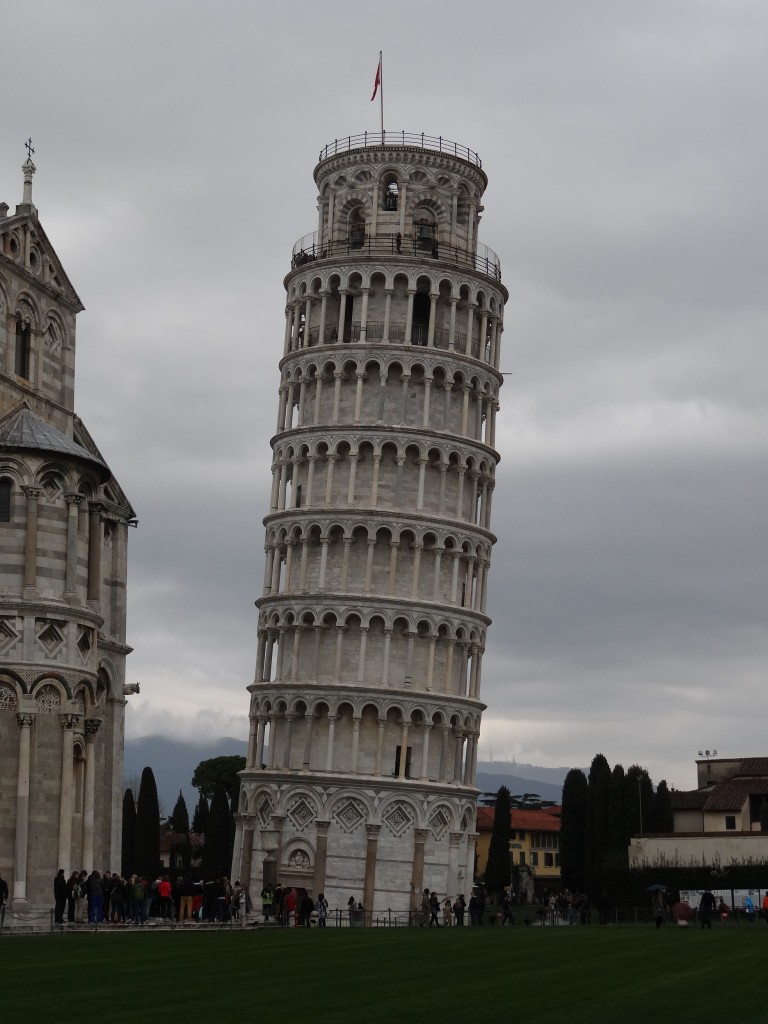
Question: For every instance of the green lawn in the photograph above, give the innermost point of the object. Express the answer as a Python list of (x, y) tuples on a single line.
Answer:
[(571, 975)]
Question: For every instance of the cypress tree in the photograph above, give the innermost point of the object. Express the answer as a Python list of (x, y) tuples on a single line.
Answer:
[(498, 871), (200, 817), (179, 820), (617, 830), (216, 849), (129, 833), (598, 794), (573, 830), (147, 842), (663, 818), (179, 823)]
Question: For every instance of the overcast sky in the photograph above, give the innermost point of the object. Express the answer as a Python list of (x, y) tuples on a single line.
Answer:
[(626, 148)]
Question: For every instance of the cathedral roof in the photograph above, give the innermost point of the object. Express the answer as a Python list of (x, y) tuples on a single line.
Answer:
[(23, 429)]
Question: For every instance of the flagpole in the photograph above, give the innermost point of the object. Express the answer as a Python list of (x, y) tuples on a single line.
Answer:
[(381, 87)]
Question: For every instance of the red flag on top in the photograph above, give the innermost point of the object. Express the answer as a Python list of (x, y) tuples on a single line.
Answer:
[(377, 81)]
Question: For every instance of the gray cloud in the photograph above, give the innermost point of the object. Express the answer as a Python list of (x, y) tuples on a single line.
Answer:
[(175, 148)]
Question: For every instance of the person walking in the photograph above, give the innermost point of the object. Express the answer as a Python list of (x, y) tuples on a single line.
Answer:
[(459, 909), (267, 899), (321, 906), (59, 896), (659, 908), (3, 898), (707, 904)]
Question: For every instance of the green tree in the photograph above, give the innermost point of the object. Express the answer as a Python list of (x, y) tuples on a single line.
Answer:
[(216, 850), (200, 817), (179, 819), (598, 794), (129, 833), (498, 871), (617, 832), (219, 771), (146, 860), (663, 818), (179, 824), (573, 830)]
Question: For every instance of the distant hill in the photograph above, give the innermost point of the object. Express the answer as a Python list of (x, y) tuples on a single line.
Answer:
[(174, 761)]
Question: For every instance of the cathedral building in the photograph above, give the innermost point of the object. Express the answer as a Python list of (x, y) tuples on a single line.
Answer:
[(63, 538), (366, 705)]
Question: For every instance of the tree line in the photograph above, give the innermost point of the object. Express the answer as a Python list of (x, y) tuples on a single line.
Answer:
[(211, 834), (601, 812)]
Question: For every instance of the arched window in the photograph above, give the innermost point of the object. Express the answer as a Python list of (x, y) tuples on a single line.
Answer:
[(391, 193), (5, 501), (357, 228), (22, 350)]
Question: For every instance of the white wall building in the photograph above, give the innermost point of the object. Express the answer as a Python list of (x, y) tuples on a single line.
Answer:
[(366, 704), (63, 564)]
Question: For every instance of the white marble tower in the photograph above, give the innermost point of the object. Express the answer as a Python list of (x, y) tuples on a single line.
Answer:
[(366, 704)]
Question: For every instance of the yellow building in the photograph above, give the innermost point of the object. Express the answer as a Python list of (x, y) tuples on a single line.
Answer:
[(534, 841)]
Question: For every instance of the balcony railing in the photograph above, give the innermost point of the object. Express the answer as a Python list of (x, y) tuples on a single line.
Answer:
[(417, 140), (308, 250), (374, 332)]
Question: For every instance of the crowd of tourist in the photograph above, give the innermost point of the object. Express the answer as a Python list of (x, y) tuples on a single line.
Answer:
[(109, 898)]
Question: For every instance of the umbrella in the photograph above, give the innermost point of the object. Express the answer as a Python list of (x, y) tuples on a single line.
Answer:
[(656, 888)]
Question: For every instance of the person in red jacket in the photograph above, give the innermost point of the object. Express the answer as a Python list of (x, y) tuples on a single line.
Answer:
[(289, 906), (164, 893)]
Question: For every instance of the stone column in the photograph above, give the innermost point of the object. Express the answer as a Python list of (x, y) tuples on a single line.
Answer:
[(94, 555), (369, 882), (403, 749), (260, 730), (432, 317), (67, 797), (253, 726), (387, 310), (30, 541), (425, 751), (454, 852), (380, 745), (409, 316), (91, 728), (70, 579), (321, 856), (417, 871), (22, 809), (452, 325), (329, 754), (355, 742), (246, 854), (308, 719)]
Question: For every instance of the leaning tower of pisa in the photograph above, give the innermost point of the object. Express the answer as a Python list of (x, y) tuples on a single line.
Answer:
[(366, 704)]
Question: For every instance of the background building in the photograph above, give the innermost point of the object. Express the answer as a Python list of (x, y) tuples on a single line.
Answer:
[(63, 539), (534, 842), (365, 710), (724, 820)]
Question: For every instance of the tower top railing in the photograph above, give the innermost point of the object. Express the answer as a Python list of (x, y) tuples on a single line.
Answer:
[(308, 249), (417, 140)]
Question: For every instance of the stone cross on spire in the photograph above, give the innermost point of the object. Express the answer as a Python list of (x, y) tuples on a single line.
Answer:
[(29, 169)]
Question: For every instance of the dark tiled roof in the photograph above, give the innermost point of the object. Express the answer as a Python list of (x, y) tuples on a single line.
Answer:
[(689, 800), (24, 430), (728, 796), (754, 766)]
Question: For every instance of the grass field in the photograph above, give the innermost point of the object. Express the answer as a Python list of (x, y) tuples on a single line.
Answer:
[(609, 975)]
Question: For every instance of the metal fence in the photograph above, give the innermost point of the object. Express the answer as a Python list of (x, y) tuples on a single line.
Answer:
[(415, 140), (309, 249)]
